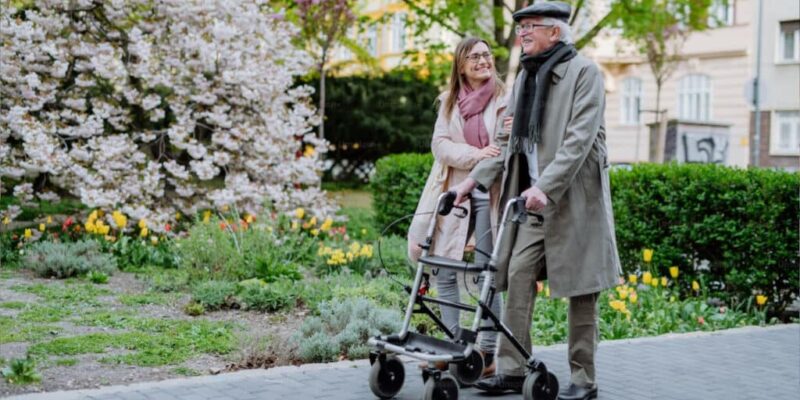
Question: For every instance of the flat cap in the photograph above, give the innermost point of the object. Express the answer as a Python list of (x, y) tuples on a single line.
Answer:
[(553, 9)]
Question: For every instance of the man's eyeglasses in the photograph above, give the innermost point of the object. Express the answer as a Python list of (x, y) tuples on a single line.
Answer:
[(519, 29), (475, 58)]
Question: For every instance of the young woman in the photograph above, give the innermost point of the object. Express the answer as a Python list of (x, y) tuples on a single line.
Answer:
[(464, 134)]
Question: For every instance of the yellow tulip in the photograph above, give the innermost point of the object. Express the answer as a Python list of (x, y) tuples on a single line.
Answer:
[(41, 228), (49, 219), (142, 223), (633, 297), (761, 299), (326, 225), (120, 219), (93, 216), (177, 216), (294, 225), (249, 219), (315, 232), (154, 240), (309, 151), (28, 234), (312, 221), (654, 282), (6, 221), (664, 281), (143, 232), (632, 278), (623, 294), (206, 216), (299, 213), (695, 286), (673, 272), (647, 278), (647, 255)]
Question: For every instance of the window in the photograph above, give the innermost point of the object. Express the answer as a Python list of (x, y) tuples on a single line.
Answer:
[(372, 40), (399, 32), (631, 101), (785, 138), (721, 13), (694, 98), (789, 41)]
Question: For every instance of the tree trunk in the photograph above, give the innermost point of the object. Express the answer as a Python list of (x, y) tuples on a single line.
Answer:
[(322, 102), (660, 132)]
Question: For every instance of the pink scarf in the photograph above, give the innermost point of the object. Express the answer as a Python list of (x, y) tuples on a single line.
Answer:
[(471, 104)]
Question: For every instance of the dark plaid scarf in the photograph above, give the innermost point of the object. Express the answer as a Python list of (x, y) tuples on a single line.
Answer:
[(533, 96)]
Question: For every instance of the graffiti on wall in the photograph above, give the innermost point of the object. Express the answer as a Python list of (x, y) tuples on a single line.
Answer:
[(704, 148)]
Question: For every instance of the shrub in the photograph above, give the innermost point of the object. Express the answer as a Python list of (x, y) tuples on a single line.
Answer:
[(741, 223), (134, 253), (396, 187), (194, 309), (64, 260), (382, 114), (269, 250), (259, 295), (214, 295), (342, 328), (167, 280)]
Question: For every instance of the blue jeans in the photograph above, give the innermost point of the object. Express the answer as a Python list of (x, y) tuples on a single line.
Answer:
[(447, 280)]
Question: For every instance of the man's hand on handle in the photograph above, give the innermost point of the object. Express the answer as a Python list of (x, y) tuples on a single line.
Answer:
[(463, 189), (535, 199)]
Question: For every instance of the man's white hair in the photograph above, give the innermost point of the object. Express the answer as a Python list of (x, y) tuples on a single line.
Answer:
[(563, 27)]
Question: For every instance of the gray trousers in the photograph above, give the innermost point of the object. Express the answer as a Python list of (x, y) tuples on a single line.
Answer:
[(526, 263), (447, 280)]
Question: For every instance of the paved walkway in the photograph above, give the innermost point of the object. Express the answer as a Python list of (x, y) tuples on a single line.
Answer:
[(747, 363)]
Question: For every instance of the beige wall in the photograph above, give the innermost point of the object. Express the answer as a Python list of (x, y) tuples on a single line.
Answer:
[(721, 53)]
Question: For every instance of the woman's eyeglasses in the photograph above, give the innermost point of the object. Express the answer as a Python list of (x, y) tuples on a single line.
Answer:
[(476, 57)]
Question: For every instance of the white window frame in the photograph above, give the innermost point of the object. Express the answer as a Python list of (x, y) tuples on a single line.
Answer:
[(695, 98), (780, 51), (399, 41), (775, 132), (631, 92), (372, 40), (721, 15)]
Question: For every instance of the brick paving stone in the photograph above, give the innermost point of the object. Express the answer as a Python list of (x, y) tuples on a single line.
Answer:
[(737, 364)]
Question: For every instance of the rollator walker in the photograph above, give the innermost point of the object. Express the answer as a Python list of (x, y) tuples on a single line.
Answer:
[(465, 362)]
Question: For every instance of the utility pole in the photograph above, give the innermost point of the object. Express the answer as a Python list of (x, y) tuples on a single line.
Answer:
[(756, 88)]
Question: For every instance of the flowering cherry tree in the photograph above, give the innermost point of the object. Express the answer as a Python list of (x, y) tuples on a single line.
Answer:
[(157, 107)]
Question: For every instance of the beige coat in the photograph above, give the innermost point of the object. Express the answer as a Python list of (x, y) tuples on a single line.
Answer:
[(453, 160), (580, 244)]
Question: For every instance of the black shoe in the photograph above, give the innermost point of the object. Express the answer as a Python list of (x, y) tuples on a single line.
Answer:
[(575, 392), (500, 384)]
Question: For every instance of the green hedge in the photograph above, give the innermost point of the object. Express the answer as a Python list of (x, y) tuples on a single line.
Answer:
[(396, 187), (744, 223)]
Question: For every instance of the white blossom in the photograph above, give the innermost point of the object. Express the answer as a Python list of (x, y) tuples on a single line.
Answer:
[(138, 119)]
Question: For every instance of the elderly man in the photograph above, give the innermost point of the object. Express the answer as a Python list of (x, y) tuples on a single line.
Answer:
[(554, 155)]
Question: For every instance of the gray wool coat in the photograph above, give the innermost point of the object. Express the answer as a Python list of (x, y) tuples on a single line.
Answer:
[(580, 244)]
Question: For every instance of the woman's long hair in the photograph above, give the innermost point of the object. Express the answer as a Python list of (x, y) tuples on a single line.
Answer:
[(458, 80)]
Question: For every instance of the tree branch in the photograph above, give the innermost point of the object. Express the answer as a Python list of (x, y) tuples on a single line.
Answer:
[(414, 6)]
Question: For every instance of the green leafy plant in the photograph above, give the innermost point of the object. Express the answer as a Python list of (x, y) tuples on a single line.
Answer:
[(194, 309), (21, 371), (134, 253), (97, 277), (214, 295), (64, 260), (256, 294)]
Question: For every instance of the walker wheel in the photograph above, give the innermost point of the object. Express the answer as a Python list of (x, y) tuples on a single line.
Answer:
[(444, 388), (468, 371), (538, 386), (386, 377)]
